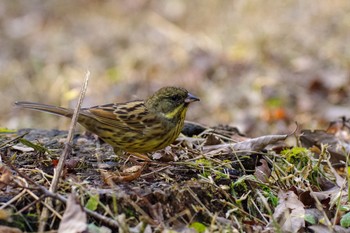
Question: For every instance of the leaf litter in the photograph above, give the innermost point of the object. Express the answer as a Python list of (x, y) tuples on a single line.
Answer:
[(210, 179)]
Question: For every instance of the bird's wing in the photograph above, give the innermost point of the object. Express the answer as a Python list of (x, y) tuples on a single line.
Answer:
[(132, 116)]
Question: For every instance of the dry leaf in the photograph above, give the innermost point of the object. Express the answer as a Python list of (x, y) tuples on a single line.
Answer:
[(22, 148), (253, 144), (74, 218), (5, 176), (5, 215), (127, 175), (132, 169), (212, 140), (5, 229), (336, 147), (156, 155), (289, 212), (263, 171), (324, 229)]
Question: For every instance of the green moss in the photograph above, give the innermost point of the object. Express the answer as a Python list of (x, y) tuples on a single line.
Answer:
[(298, 156)]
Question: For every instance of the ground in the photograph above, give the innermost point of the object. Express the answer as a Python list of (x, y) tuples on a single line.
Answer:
[(210, 179)]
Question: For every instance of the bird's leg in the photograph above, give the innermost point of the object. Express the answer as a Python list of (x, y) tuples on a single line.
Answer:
[(143, 157), (140, 156)]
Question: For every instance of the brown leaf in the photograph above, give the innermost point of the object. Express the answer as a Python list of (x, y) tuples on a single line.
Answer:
[(212, 140), (333, 194), (71, 163), (5, 176), (289, 212), (306, 198), (127, 175), (263, 171), (5, 229), (253, 144), (5, 215), (74, 218), (340, 181), (336, 146), (340, 128), (319, 228), (133, 169)]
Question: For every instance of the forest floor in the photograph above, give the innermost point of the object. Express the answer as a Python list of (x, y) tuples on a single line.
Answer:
[(210, 179)]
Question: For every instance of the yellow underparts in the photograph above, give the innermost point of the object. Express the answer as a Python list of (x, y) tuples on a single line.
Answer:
[(176, 111)]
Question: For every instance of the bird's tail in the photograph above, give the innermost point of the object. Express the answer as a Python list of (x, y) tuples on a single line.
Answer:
[(46, 108)]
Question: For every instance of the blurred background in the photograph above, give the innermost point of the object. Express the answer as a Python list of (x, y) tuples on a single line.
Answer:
[(256, 65)]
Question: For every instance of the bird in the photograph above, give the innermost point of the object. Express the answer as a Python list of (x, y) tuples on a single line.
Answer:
[(139, 126)]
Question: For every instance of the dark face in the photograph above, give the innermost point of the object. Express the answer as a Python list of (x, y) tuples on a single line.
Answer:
[(170, 101)]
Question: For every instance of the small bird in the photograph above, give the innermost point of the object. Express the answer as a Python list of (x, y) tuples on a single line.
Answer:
[(136, 126)]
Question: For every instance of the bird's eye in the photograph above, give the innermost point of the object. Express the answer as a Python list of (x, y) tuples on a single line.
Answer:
[(175, 98)]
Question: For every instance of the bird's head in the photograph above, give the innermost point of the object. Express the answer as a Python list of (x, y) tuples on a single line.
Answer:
[(170, 102)]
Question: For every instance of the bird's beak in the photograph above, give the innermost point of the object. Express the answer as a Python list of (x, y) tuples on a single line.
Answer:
[(191, 98)]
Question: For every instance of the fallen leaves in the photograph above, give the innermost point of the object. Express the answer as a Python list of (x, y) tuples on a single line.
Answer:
[(248, 183), (263, 171), (6, 229), (74, 218), (5, 176), (246, 146), (128, 174), (289, 213)]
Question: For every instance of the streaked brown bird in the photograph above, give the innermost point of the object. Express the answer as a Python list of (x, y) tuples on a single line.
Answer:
[(135, 126)]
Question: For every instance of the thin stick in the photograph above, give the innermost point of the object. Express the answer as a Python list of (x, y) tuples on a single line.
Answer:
[(108, 221), (63, 157), (68, 146)]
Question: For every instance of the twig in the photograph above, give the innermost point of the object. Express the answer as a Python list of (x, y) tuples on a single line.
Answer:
[(68, 146), (13, 199), (12, 140), (63, 157), (108, 221)]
